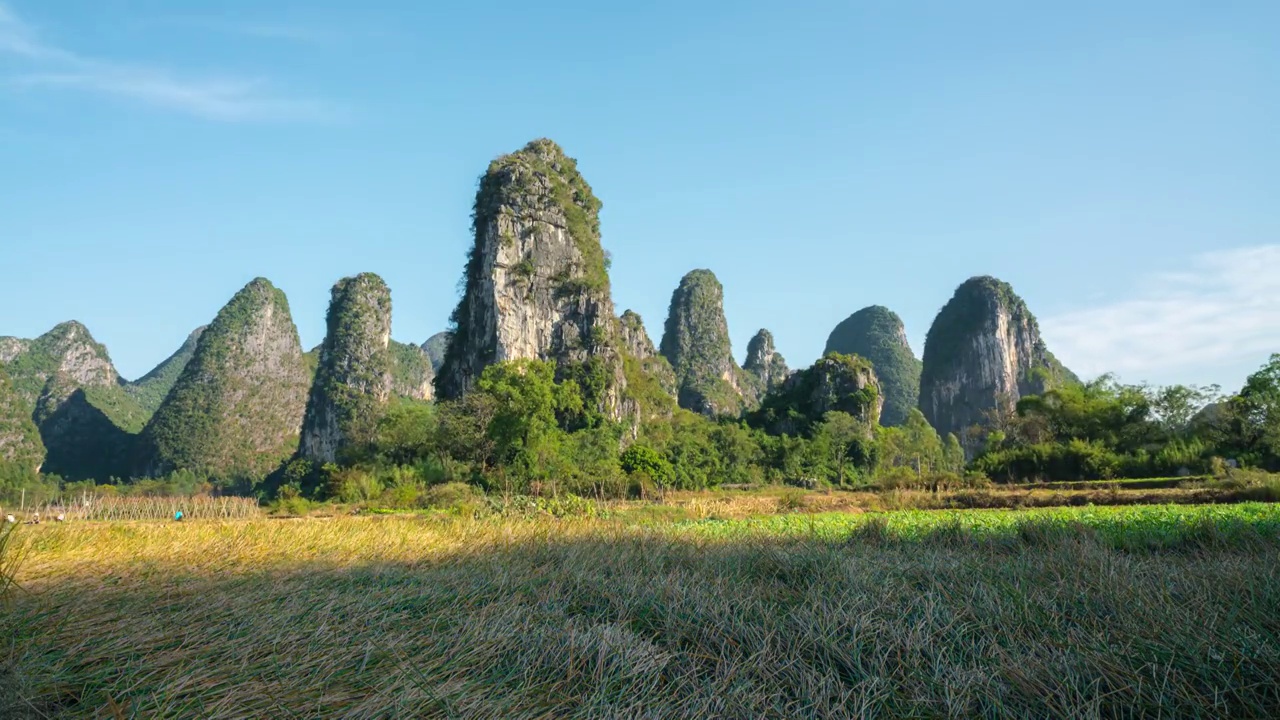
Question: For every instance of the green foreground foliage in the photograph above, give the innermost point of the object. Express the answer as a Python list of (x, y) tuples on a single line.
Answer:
[(1103, 429)]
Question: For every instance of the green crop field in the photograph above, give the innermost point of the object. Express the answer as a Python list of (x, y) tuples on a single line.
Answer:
[(1081, 612)]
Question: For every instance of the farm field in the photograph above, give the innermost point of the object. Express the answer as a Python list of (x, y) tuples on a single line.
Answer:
[(1164, 610)]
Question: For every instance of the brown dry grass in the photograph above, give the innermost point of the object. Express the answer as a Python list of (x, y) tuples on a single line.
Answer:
[(405, 617)]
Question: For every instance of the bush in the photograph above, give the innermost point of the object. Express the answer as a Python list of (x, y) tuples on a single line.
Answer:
[(353, 485), (294, 506), (455, 496), (898, 478), (792, 501), (644, 459)]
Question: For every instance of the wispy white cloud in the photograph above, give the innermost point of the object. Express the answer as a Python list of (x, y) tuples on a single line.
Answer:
[(293, 32), (1223, 309), (223, 99)]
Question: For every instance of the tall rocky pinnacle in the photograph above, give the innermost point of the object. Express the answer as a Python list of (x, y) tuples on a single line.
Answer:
[(645, 367), (536, 283), (877, 334), (151, 389), (841, 383), (435, 348), (237, 408), (765, 363), (695, 341), (353, 381), (981, 355), (20, 443)]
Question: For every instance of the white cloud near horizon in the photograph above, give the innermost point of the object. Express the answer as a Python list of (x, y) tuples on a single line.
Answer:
[(1222, 309), (220, 99)]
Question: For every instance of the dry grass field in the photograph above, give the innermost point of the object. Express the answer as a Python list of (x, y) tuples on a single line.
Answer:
[(1160, 611)]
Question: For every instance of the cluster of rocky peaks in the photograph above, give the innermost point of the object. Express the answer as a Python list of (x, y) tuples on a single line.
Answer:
[(695, 340), (537, 286), (240, 395), (230, 401)]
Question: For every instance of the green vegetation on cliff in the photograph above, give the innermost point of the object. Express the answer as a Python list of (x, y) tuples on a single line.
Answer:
[(86, 417), (151, 389), (542, 180), (83, 441), (695, 340), (764, 364), (836, 383), (411, 371), (651, 382), (877, 334), (353, 382), (533, 192), (237, 407), (20, 443), (70, 351)]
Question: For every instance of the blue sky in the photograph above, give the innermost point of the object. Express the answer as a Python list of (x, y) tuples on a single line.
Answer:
[(1115, 162)]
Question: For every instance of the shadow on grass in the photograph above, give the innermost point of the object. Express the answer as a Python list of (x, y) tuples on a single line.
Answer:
[(1051, 623)]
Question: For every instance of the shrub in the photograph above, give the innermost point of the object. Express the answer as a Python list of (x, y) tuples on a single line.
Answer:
[(454, 495), (353, 485), (792, 500), (294, 506), (644, 459)]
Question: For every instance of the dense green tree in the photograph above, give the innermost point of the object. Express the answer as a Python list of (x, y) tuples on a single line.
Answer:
[(842, 435), (1248, 425), (914, 445), (845, 383)]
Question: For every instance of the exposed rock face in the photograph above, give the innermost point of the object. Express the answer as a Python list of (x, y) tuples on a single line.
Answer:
[(632, 336), (151, 389), (435, 348), (877, 334), (843, 383), (20, 443), (412, 375), (68, 349), (649, 375), (12, 347), (353, 381), (983, 352), (695, 341), (765, 362), (536, 280), (237, 408)]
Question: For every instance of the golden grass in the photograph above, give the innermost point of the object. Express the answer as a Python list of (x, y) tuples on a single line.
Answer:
[(431, 617)]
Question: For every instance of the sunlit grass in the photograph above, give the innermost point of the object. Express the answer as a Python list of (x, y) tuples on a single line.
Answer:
[(1090, 612)]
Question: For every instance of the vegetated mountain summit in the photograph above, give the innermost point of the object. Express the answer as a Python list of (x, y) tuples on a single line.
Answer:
[(237, 408), (877, 334), (353, 381), (20, 442), (695, 340)]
